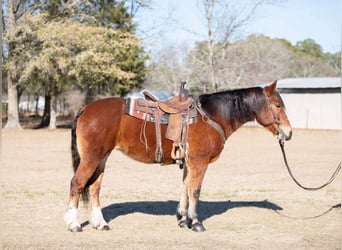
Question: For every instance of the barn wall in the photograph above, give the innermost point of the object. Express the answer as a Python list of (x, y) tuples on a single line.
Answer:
[(313, 110)]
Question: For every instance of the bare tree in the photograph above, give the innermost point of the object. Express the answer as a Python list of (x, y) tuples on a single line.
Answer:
[(309, 66), (255, 60), (224, 19), (136, 5), (167, 69)]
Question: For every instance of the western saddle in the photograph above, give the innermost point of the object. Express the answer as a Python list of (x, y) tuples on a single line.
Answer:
[(181, 112)]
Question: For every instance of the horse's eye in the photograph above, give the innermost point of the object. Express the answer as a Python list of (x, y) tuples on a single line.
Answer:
[(278, 106)]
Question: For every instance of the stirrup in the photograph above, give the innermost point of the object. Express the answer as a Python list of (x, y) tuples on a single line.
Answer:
[(177, 152)]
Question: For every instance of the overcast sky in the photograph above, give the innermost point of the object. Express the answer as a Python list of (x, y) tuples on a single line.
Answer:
[(180, 22)]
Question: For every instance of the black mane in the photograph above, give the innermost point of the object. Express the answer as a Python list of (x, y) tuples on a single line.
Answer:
[(234, 106)]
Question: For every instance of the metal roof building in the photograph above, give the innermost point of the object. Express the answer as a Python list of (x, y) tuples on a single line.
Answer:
[(313, 103)]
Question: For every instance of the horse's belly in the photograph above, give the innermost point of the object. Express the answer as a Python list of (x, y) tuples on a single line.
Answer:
[(138, 140), (144, 154)]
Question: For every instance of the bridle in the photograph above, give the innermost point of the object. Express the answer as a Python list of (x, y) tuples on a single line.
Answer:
[(275, 118), (282, 138), (281, 134)]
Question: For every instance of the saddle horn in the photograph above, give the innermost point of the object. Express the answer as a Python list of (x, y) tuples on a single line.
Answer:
[(183, 92)]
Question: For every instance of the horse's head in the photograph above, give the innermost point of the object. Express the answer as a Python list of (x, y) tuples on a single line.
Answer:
[(272, 115)]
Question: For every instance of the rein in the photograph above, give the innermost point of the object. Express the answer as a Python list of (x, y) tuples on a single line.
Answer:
[(282, 146)]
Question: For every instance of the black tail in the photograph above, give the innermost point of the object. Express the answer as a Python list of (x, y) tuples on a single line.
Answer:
[(75, 154)]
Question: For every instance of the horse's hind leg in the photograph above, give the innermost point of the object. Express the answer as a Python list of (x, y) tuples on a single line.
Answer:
[(84, 172), (96, 217)]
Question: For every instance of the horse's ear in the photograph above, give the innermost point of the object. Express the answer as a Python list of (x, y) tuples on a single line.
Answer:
[(270, 89)]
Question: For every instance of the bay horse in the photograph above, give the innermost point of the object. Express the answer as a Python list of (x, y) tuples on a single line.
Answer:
[(103, 125)]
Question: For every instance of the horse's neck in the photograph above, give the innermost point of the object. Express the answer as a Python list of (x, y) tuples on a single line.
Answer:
[(238, 119), (232, 109), (230, 127)]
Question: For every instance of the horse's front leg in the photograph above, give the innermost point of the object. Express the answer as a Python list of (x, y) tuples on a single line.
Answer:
[(192, 182), (192, 217), (196, 175), (182, 209)]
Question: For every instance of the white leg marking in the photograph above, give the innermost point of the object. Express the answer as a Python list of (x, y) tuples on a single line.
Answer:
[(181, 209), (96, 218), (192, 214), (71, 218)]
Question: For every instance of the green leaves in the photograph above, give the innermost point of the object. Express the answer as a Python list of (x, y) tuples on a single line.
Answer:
[(68, 52)]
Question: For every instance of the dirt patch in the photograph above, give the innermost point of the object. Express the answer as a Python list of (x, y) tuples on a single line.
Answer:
[(248, 200), (31, 121)]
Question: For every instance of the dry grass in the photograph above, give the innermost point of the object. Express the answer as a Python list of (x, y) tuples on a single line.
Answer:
[(241, 194)]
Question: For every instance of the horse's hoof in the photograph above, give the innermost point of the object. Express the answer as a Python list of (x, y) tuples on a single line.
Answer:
[(198, 227), (105, 228), (182, 224), (189, 223), (76, 229)]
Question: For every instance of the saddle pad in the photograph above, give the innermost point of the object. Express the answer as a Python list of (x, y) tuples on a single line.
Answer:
[(131, 109)]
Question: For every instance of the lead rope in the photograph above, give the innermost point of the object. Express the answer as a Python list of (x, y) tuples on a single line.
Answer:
[(337, 206), (282, 143)]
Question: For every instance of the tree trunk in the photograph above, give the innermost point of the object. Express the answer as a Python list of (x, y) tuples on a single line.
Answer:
[(46, 114), (13, 76), (90, 95), (209, 9), (53, 112), (36, 98), (13, 113)]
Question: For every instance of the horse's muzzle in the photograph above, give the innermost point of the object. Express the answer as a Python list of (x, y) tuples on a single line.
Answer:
[(285, 134)]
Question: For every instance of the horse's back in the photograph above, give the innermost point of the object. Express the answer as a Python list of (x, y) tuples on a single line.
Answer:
[(103, 113)]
